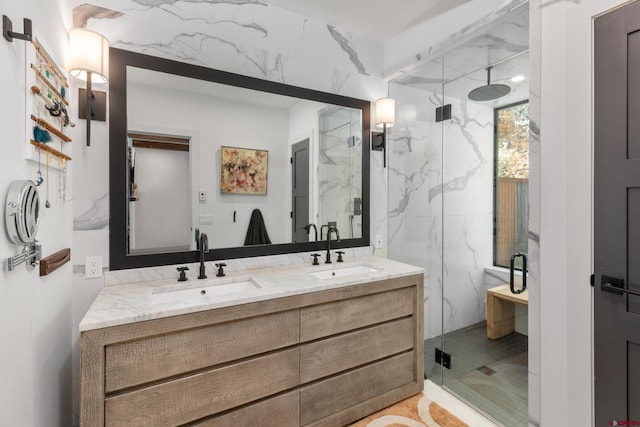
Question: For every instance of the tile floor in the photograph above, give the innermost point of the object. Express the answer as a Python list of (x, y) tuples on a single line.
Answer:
[(490, 375)]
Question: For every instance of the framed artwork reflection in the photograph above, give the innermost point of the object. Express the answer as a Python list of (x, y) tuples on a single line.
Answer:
[(244, 170)]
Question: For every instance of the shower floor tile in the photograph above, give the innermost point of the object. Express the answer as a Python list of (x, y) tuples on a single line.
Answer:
[(490, 375)]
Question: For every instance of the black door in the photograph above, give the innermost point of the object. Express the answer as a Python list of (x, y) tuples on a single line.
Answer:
[(617, 216), (300, 191)]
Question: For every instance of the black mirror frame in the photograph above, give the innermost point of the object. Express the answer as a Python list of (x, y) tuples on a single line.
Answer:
[(118, 254)]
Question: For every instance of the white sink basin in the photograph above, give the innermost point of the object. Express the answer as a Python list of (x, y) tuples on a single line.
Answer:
[(343, 271), (208, 291)]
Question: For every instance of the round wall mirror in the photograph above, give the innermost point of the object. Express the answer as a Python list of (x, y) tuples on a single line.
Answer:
[(22, 210)]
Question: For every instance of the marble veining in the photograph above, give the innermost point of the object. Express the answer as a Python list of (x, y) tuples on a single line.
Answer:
[(189, 46), (344, 44), (82, 13), (117, 305), (94, 218)]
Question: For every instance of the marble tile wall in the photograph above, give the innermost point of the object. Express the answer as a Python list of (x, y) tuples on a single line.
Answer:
[(417, 166), (339, 170)]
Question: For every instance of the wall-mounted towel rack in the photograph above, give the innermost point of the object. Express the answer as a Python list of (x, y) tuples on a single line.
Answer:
[(54, 261)]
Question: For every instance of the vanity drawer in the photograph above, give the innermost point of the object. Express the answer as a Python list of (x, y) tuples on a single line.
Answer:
[(149, 359), (207, 393), (332, 355), (328, 397), (341, 316), (279, 411)]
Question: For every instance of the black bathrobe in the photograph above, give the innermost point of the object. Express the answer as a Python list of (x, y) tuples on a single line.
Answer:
[(257, 232)]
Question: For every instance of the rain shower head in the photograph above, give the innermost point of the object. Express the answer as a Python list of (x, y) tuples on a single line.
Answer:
[(489, 91)]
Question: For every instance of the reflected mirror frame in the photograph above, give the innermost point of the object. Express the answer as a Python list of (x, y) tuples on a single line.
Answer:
[(118, 252)]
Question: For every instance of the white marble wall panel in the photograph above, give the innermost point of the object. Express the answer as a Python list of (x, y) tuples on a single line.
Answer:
[(340, 171), (246, 37), (418, 226)]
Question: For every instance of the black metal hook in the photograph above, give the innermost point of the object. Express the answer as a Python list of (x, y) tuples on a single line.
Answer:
[(9, 34)]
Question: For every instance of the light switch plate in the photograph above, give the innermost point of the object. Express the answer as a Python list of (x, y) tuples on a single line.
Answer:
[(206, 219), (202, 195), (378, 243)]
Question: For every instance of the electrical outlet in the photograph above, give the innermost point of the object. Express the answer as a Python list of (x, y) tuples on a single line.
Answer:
[(93, 267), (378, 243), (202, 195)]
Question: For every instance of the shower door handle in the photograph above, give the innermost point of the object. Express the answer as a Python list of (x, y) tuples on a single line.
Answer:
[(524, 273)]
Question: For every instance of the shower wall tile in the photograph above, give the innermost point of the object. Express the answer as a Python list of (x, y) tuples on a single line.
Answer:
[(416, 201)]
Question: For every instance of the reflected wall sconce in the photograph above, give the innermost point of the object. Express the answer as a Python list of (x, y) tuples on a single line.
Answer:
[(88, 59), (385, 118), (407, 117)]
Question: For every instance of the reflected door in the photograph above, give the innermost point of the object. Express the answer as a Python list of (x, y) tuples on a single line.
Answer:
[(300, 191)]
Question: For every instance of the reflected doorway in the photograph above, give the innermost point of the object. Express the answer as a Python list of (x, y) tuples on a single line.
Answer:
[(159, 193)]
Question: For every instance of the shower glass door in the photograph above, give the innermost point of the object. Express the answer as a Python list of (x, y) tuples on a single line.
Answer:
[(457, 194), (484, 222)]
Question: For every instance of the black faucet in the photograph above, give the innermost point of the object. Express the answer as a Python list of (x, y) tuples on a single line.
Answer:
[(183, 275), (203, 246), (315, 231), (221, 267), (329, 230)]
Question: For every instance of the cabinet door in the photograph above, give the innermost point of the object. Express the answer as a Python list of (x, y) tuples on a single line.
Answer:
[(197, 396), (335, 317), (279, 411), (148, 359), (335, 394), (340, 353)]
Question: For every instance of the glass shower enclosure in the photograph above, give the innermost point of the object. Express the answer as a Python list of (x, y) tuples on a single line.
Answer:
[(458, 165)]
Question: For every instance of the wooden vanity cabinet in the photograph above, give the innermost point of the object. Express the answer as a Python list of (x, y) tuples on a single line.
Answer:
[(325, 358)]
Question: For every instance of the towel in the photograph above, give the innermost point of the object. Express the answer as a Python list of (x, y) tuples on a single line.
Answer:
[(257, 232)]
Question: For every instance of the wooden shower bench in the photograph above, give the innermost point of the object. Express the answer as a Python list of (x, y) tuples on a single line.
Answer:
[(501, 320)]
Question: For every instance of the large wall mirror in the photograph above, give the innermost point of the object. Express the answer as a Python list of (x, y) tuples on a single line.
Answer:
[(249, 162)]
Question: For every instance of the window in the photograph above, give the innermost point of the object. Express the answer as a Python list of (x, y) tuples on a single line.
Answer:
[(511, 190)]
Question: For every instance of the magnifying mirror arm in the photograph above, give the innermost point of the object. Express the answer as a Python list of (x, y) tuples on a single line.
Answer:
[(31, 255)]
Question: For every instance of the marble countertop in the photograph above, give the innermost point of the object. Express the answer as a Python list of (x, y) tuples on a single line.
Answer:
[(135, 302)]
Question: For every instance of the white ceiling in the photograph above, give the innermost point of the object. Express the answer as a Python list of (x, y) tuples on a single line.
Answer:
[(376, 19)]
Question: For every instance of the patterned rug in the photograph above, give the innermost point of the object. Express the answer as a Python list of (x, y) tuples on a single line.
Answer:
[(416, 411)]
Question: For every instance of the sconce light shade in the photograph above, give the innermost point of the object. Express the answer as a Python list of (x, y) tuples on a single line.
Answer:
[(385, 112), (88, 52), (407, 116)]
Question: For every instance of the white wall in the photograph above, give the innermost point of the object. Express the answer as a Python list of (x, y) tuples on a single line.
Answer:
[(35, 312), (222, 122)]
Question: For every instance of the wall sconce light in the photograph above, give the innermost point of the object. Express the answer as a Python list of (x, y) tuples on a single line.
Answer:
[(88, 59), (385, 117)]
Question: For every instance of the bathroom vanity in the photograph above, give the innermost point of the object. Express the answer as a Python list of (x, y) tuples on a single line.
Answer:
[(284, 346)]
